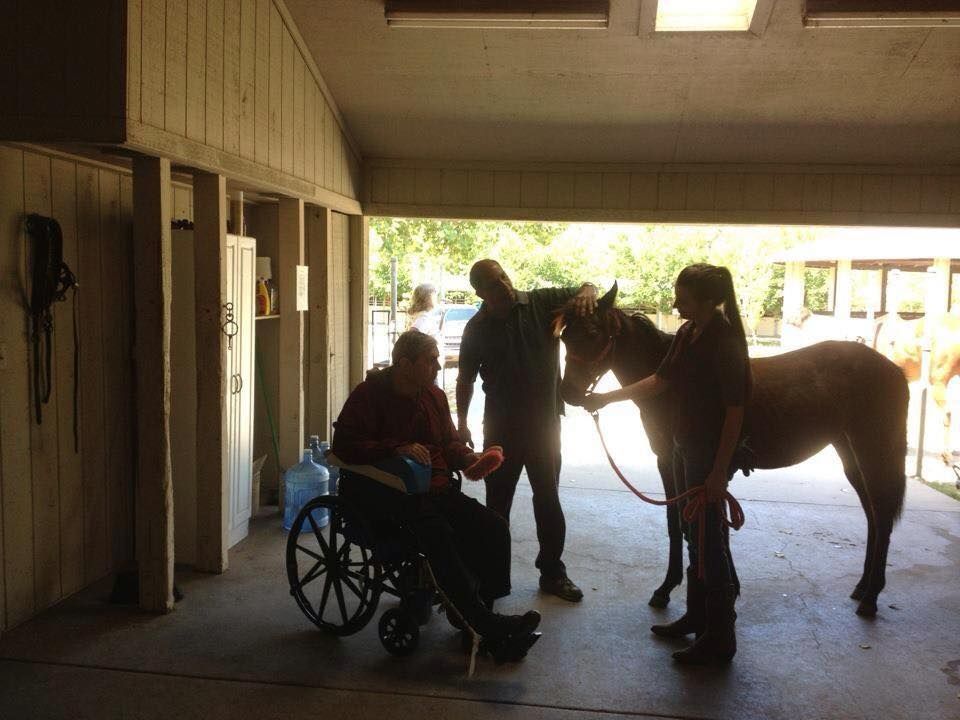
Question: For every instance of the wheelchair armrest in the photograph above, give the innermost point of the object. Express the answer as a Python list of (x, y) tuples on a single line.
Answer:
[(400, 473)]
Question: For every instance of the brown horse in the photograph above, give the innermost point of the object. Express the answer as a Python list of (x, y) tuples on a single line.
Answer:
[(833, 393), (902, 341)]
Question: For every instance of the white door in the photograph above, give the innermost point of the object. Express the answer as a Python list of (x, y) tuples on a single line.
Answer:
[(241, 270)]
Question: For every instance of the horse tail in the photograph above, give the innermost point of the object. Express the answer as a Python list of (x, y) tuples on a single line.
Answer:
[(893, 400)]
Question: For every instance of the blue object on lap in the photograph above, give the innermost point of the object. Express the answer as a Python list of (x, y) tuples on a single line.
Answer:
[(398, 472)]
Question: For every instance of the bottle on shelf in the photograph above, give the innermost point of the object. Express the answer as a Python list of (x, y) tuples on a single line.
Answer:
[(266, 287)]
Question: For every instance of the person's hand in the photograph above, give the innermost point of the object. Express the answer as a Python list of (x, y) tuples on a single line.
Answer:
[(715, 486), (415, 451), (594, 401), (465, 435), (585, 303)]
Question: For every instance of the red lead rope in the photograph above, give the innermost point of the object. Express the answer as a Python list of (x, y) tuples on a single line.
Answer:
[(731, 514)]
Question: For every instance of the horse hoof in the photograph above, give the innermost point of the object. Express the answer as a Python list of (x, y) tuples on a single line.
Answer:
[(659, 600), (867, 608)]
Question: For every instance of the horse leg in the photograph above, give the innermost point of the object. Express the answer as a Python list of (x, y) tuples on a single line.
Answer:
[(938, 391), (852, 470), (661, 596)]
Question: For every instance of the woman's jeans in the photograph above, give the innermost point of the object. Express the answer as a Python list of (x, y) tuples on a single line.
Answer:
[(691, 465)]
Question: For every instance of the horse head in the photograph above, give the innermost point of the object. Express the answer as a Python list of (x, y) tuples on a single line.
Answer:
[(589, 342)]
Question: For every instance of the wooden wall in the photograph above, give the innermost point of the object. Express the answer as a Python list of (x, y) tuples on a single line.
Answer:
[(715, 194), (65, 516), (73, 51), (227, 85)]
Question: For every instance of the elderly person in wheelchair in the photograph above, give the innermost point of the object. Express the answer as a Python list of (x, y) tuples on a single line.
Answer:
[(399, 412)]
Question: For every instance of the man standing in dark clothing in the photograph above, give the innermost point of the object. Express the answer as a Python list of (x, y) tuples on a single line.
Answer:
[(510, 344), (400, 411)]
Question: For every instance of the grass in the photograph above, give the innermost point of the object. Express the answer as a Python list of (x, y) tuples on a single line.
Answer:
[(947, 488)]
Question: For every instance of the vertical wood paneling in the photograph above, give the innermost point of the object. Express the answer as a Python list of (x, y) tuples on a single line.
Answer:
[(905, 193), (328, 149), (134, 52), (846, 193), (231, 77), (380, 185), (276, 86), (560, 190), (91, 375), (15, 410), (123, 535), (876, 193), (817, 190), (757, 191), (616, 190), (588, 190), (64, 208), (339, 162), (248, 68), (788, 192), (506, 189), (935, 194), (43, 437), (455, 187), (262, 84), (426, 186), (701, 191), (534, 189), (287, 71), (153, 49), (672, 191), (196, 69), (320, 105), (60, 511), (113, 312), (401, 184), (309, 128), (215, 74), (643, 191), (729, 191), (175, 69), (299, 70)]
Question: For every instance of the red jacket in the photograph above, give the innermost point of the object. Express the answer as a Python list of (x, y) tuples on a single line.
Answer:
[(376, 420)]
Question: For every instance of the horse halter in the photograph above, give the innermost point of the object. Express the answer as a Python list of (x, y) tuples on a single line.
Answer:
[(594, 363)]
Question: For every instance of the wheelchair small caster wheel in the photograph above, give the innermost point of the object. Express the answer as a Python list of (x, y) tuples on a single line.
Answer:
[(399, 633)]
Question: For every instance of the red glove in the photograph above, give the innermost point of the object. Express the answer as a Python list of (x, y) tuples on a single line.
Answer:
[(489, 460)]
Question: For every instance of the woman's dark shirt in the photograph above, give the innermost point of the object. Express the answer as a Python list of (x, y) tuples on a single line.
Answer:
[(708, 374)]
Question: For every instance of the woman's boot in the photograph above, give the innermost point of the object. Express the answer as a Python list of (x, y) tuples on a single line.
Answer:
[(694, 619), (718, 644)]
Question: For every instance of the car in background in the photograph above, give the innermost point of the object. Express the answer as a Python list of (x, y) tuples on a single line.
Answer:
[(453, 319)]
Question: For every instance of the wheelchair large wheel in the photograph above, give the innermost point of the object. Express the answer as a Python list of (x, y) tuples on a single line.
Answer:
[(333, 575)]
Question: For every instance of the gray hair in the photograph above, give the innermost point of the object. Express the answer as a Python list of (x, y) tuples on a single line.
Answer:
[(411, 345)]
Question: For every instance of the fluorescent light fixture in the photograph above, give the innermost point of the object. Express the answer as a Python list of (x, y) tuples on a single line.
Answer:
[(881, 13), (705, 15), (499, 14)]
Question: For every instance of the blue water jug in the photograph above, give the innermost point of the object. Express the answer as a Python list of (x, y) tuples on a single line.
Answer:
[(302, 483)]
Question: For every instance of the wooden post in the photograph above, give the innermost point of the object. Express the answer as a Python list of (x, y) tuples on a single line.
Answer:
[(359, 301), (236, 213), (213, 482), (319, 254), (290, 253), (154, 497), (793, 291), (842, 298)]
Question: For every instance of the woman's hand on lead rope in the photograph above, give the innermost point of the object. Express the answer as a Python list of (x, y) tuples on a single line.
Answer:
[(595, 401), (715, 485)]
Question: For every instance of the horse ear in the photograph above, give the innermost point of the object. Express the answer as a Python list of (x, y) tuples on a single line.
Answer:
[(610, 299)]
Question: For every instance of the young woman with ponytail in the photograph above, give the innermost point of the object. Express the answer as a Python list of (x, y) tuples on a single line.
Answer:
[(708, 368)]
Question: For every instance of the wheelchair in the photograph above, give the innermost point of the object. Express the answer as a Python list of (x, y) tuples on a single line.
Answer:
[(338, 572)]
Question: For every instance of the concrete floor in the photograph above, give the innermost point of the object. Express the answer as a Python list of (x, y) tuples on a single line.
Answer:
[(238, 647)]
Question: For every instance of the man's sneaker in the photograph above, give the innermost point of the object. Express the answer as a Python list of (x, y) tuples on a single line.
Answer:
[(561, 586)]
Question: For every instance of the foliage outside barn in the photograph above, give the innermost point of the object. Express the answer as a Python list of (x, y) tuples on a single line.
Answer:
[(645, 260)]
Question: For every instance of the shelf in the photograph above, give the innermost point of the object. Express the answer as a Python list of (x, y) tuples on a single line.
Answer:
[(266, 317)]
